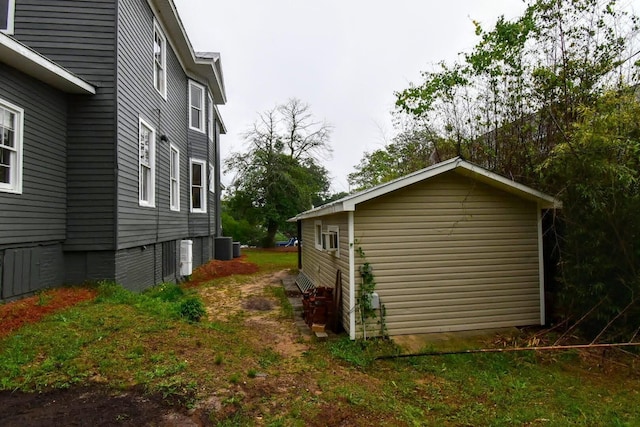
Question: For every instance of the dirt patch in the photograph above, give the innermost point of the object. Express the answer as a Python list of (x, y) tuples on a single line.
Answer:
[(260, 311), (93, 406), (15, 314)]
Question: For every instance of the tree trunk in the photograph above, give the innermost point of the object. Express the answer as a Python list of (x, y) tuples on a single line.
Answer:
[(270, 238)]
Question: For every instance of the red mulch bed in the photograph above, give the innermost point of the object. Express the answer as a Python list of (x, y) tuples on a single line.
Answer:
[(215, 269), (13, 315)]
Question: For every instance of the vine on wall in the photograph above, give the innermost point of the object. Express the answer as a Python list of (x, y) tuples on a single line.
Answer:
[(364, 298)]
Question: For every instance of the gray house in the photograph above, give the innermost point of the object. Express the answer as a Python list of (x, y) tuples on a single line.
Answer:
[(452, 247), (109, 144)]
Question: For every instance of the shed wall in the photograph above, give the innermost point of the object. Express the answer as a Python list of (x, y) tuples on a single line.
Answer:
[(320, 266), (452, 254)]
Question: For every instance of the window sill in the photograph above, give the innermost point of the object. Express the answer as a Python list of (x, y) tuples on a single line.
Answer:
[(11, 190), (196, 129)]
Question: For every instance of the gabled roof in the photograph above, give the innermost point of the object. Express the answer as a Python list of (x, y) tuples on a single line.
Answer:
[(30, 62), (457, 165), (205, 67)]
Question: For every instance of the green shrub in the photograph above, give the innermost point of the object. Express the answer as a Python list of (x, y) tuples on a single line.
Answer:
[(192, 309)]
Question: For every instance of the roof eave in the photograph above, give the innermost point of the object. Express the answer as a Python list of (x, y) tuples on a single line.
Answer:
[(456, 164), (544, 200), (330, 209), (30, 62)]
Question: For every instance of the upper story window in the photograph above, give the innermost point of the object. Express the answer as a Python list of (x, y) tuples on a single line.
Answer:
[(11, 126), (147, 145), (196, 106), (209, 117), (159, 60), (198, 186), (174, 178), (7, 8)]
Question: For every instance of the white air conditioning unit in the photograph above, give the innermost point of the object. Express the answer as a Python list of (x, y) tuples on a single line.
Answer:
[(186, 257)]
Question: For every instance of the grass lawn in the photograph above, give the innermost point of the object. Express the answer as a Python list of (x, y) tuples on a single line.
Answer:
[(242, 365)]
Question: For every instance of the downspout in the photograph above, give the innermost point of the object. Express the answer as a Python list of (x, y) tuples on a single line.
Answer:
[(352, 278), (541, 266), (299, 244), (217, 164), (116, 148), (211, 204)]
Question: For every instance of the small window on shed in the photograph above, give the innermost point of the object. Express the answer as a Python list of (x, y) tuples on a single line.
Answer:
[(331, 240), (318, 235)]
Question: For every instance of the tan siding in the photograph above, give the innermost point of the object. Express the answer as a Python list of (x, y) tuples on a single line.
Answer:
[(321, 266), (452, 254)]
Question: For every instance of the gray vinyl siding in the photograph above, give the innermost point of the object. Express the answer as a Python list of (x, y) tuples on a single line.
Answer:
[(39, 213), (80, 36), (452, 254), (137, 97), (320, 266)]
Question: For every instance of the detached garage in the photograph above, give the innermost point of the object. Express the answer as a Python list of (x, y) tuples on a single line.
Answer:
[(453, 247)]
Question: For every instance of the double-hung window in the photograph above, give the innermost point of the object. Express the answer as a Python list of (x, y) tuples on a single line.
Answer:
[(11, 127), (159, 60), (7, 8), (198, 169), (147, 149), (196, 106), (174, 178)]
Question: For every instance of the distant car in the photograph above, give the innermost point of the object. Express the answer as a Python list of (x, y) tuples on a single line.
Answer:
[(288, 243)]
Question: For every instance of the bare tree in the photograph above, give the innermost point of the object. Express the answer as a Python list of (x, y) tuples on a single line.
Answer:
[(304, 136)]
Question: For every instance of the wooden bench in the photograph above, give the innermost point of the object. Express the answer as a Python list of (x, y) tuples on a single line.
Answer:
[(304, 283)]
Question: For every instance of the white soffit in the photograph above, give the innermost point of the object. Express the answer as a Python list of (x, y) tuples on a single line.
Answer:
[(30, 62)]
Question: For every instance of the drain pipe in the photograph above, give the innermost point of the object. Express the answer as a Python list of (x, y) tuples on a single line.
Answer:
[(507, 350)]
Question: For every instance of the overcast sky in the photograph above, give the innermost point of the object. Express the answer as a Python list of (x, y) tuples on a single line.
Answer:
[(344, 58)]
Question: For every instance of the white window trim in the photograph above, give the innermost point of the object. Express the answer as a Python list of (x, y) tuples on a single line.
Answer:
[(317, 235), (331, 229), (175, 206), (11, 13), (15, 186), (202, 107), (163, 90), (212, 179), (209, 117), (203, 178), (151, 203)]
